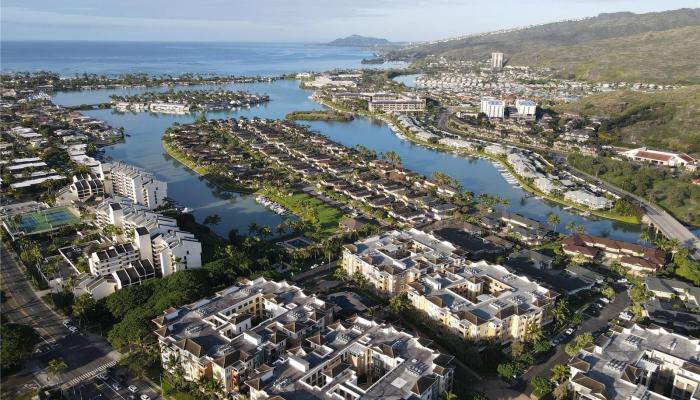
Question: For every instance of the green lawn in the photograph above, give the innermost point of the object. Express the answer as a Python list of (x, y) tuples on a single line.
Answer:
[(309, 208)]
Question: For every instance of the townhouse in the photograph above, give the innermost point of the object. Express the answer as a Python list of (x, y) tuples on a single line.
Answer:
[(637, 259)]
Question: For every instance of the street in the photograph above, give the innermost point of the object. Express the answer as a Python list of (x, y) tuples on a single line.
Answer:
[(84, 353)]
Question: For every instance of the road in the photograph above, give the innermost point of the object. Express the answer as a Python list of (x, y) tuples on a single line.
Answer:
[(609, 312), (84, 353)]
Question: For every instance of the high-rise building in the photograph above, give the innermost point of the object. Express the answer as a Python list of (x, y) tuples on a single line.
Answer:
[(137, 184), (526, 108), (496, 60), (492, 107)]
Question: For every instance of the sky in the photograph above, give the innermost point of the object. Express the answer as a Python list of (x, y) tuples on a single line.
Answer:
[(291, 20)]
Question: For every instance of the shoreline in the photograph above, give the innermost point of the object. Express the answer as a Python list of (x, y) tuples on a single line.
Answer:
[(402, 134)]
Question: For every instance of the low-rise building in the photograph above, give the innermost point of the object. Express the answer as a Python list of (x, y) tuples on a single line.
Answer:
[(638, 260), (635, 362), (393, 260), (656, 157), (274, 341), (588, 199), (483, 301), (396, 104)]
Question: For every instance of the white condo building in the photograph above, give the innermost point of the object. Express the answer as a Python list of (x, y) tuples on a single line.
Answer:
[(492, 107), (157, 237), (526, 108), (497, 60), (136, 184)]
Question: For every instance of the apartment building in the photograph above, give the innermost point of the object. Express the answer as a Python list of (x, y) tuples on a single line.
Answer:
[(86, 186), (395, 259), (396, 103), (525, 108), (492, 107), (636, 362), (638, 260), (588, 199), (112, 259), (136, 184), (275, 341), (496, 60), (228, 335), (483, 301), (157, 237)]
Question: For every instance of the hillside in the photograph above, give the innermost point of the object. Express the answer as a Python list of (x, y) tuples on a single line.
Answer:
[(662, 57), (523, 44), (663, 120), (359, 41)]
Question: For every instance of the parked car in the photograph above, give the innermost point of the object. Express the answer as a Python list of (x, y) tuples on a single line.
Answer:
[(569, 331), (145, 397), (116, 386), (72, 329), (103, 375), (605, 300), (133, 389), (67, 322)]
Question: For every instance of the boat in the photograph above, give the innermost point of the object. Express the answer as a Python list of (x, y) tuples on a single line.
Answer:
[(186, 210)]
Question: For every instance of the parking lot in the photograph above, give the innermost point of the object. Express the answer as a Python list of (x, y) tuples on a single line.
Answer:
[(112, 385)]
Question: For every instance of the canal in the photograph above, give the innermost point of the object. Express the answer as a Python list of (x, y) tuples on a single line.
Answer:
[(144, 148)]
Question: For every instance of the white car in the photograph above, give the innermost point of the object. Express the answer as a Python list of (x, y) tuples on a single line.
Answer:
[(133, 389), (605, 300), (569, 331), (116, 386), (103, 376), (72, 329), (66, 322), (145, 397)]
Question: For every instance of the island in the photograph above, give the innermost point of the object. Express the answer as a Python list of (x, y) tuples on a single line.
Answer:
[(185, 101), (359, 41), (319, 115)]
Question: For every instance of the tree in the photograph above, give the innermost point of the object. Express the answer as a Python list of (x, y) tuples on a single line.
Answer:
[(202, 118), (541, 386), (399, 303), (608, 292), (553, 220), (213, 219), (562, 392), (17, 344), (571, 226), (212, 388), (393, 158), (560, 312), (55, 366), (540, 346), (84, 307), (561, 373), (516, 348), (578, 343), (508, 370), (450, 396)]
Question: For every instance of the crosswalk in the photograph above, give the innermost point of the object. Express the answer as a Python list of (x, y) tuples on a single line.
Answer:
[(88, 375)]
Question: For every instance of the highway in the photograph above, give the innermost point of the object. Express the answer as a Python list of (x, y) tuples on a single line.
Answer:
[(84, 353)]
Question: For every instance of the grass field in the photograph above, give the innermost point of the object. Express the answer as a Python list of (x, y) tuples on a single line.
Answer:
[(43, 221), (309, 208)]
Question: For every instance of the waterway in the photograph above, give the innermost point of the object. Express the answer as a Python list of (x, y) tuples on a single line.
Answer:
[(144, 148)]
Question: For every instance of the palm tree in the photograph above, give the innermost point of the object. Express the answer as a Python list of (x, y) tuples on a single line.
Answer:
[(253, 228), (560, 373), (450, 396), (571, 226), (55, 366), (553, 220)]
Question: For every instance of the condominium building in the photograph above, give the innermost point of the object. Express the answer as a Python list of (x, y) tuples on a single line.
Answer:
[(635, 362), (277, 342), (396, 104), (173, 108), (492, 107), (157, 237), (112, 259), (393, 260), (86, 186), (496, 60), (588, 199), (136, 184), (526, 108), (483, 301)]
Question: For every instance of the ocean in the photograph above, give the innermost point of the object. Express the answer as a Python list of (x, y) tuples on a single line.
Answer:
[(110, 58)]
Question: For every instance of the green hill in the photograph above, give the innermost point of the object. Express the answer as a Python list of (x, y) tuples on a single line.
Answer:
[(666, 119), (662, 57), (552, 43)]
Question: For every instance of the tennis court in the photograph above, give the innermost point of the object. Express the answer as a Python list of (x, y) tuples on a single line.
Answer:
[(41, 221)]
